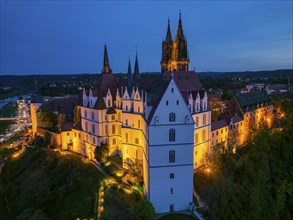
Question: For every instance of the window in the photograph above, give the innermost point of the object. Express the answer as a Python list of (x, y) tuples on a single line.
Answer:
[(204, 119), (197, 107), (136, 141), (171, 156), (172, 90), (196, 121), (172, 116), (205, 105), (212, 134), (119, 116), (203, 135), (74, 134), (78, 135), (177, 102), (86, 126), (93, 115), (126, 137), (221, 131), (106, 129), (114, 141), (67, 133), (138, 123), (126, 107), (171, 190), (113, 129), (171, 175), (172, 134), (93, 129), (126, 122), (85, 113), (167, 102), (196, 138), (113, 117), (109, 102), (195, 153), (94, 140), (138, 109), (217, 132)]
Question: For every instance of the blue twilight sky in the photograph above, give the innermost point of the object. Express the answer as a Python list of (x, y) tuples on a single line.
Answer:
[(69, 36)]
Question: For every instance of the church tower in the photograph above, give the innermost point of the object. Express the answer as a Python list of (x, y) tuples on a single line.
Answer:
[(175, 54)]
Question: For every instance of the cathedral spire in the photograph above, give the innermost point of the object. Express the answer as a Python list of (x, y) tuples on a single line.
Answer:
[(168, 35), (106, 67), (129, 77), (136, 68)]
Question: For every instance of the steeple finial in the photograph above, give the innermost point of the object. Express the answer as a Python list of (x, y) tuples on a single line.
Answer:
[(168, 35), (106, 67), (136, 68)]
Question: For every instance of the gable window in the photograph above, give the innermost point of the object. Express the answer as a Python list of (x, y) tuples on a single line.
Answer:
[(172, 116), (171, 175), (93, 115), (177, 102), (172, 135), (171, 156), (167, 102), (172, 90)]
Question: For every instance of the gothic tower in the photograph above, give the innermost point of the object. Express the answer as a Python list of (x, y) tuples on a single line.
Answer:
[(175, 54)]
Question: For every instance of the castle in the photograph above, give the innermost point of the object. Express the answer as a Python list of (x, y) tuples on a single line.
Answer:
[(164, 124)]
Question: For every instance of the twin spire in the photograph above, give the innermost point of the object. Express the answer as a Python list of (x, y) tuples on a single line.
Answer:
[(135, 76), (179, 33), (106, 66)]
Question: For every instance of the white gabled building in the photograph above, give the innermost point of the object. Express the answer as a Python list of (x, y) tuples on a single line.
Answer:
[(170, 154)]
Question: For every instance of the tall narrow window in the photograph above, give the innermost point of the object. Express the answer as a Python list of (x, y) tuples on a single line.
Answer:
[(85, 113), (113, 117), (106, 129), (197, 107), (177, 102), (172, 90), (172, 116), (171, 190), (94, 141), (93, 115), (204, 119), (136, 141), (203, 135), (119, 116), (167, 102), (171, 156), (113, 129), (109, 102), (86, 126), (196, 121), (126, 122), (114, 141), (171, 175), (126, 137), (196, 138), (138, 109), (138, 123), (172, 134), (126, 107), (93, 129)]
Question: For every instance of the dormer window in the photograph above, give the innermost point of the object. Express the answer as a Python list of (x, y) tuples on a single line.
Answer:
[(172, 117)]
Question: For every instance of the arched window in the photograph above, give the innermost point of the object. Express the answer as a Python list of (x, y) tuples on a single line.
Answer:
[(204, 119), (93, 129), (171, 156), (172, 134), (203, 135), (113, 129), (196, 138), (136, 141), (172, 117), (85, 113), (196, 121)]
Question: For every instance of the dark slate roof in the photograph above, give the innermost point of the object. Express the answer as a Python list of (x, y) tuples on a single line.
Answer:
[(111, 111), (218, 124), (77, 127), (66, 126), (236, 119), (248, 101), (185, 80), (61, 105)]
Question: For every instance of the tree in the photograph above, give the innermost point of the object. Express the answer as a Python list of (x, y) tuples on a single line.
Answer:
[(102, 152), (143, 210), (48, 119)]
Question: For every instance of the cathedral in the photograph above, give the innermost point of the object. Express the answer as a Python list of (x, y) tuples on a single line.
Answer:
[(164, 125)]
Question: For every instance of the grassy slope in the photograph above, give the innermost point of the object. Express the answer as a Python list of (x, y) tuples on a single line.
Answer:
[(69, 184)]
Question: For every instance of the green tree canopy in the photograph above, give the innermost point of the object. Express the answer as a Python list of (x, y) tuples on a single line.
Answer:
[(48, 119), (102, 152), (143, 210)]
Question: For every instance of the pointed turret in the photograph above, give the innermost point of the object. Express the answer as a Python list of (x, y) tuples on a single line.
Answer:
[(129, 77), (106, 67), (168, 35), (179, 33), (136, 68)]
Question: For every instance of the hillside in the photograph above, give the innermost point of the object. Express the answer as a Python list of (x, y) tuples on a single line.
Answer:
[(43, 184)]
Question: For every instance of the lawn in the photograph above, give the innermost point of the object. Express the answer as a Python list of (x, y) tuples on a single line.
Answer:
[(177, 216), (49, 185)]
